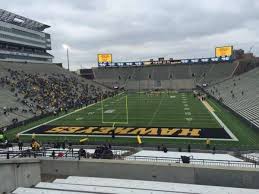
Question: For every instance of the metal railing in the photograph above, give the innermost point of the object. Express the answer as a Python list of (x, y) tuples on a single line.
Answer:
[(58, 153), (118, 155), (206, 162), (251, 157)]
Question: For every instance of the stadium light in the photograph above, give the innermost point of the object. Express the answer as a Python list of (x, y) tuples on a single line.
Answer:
[(66, 47)]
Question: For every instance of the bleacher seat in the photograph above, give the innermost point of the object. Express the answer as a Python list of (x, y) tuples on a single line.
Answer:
[(241, 94), (75, 184), (12, 98), (171, 76)]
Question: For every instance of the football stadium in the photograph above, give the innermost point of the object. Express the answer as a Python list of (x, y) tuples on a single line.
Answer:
[(158, 125), (173, 102)]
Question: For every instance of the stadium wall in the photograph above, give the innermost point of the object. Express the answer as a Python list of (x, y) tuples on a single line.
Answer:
[(162, 84), (19, 173), (179, 173)]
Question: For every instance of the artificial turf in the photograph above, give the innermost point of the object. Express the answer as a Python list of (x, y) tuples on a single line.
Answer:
[(165, 109), (145, 110)]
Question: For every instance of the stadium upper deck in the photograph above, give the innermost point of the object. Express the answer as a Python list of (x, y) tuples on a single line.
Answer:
[(23, 39)]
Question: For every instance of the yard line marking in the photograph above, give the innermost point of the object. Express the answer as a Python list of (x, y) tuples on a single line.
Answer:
[(65, 115), (79, 118), (117, 114), (188, 119), (155, 113)]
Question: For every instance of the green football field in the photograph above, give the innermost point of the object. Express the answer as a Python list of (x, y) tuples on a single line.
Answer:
[(166, 111), (144, 110)]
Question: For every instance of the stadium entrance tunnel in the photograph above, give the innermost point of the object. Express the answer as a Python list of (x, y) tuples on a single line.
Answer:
[(154, 132)]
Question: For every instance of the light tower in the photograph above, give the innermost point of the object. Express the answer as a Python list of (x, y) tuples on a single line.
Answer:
[(66, 47)]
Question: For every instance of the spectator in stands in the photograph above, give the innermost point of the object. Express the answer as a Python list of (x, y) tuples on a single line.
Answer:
[(213, 150), (113, 133), (165, 149), (7, 143), (20, 145), (15, 120), (51, 93), (2, 138), (70, 146), (64, 145), (53, 154), (35, 145), (189, 148), (82, 153), (103, 152), (60, 155)]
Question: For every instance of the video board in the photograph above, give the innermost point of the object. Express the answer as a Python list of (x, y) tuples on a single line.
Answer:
[(225, 51), (104, 58)]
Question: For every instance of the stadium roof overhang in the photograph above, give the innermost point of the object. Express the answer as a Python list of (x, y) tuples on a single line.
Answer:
[(18, 20)]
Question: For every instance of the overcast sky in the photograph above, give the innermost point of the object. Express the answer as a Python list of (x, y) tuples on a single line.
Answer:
[(142, 29)]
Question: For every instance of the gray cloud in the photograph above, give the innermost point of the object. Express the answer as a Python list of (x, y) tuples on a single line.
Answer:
[(136, 30)]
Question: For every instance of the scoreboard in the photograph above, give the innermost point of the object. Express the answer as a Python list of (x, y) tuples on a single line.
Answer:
[(225, 51), (104, 58)]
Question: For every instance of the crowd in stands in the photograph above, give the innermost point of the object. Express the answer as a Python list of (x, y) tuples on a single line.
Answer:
[(48, 93)]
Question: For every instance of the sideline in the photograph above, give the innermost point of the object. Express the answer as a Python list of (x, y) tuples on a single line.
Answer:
[(133, 137), (211, 110)]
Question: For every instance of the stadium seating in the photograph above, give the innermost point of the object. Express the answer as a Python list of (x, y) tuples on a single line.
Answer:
[(252, 156), (241, 94), (32, 89), (11, 108), (166, 76), (219, 71), (74, 184)]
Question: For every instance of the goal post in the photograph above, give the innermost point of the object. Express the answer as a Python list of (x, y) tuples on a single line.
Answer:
[(114, 122)]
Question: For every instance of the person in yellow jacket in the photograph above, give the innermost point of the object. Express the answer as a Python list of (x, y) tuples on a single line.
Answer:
[(2, 138), (35, 145)]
